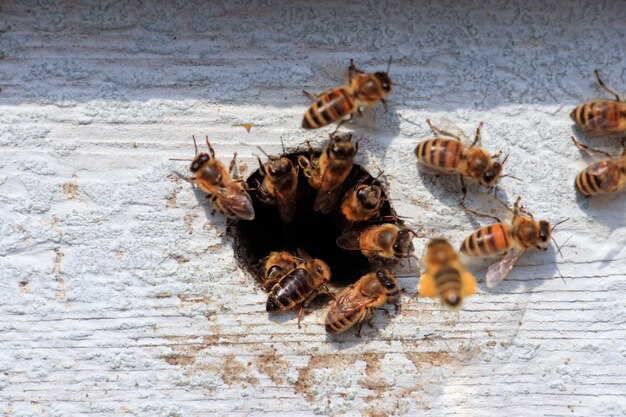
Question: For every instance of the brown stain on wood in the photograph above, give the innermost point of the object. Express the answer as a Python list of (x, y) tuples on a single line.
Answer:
[(247, 126), (61, 294), (274, 366), (234, 372), (70, 189), (188, 220), (306, 376), (180, 360), (171, 201)]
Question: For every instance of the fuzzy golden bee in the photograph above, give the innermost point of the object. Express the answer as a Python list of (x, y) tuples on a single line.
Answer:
[(279, 186), (452, 152), (328, 172), (445, 275), (385, 241), (362, 202), (340, 103), (278, 264), (509, 239), (298, 286), (601, 177), (601, 116), (227, 195), (354, 304)]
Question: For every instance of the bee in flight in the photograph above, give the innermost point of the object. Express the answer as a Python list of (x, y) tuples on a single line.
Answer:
[(277, 264), (299, 285), (601, 177), (279, 186), (340, 103), (384, 241), (509, 239), (445, 275), (227, 195), (601, 116), (355, 303), (362, 202), (328, 172), (452, 152)]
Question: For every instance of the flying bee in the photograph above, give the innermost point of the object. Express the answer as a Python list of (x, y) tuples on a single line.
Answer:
[(279, 186), (354, 304), (362, 202), (299, 285), (445, 275), (509, 239), (227, 195), (453, 153), (601, 177), (385, 241), (340, 103), (328, 172), (601, 116), (278, 264)]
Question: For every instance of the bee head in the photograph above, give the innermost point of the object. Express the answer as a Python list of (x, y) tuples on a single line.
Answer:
[(545, 232), (403, 245), (387, 279), (198, 161), (279, 167), (369, 196), (385, 81), (342, 148), (320, 268), (490, 177)]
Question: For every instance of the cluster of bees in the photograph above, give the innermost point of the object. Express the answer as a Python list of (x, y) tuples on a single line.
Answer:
[(294, 278)]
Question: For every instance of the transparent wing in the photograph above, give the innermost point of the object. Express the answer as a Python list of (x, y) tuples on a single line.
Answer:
[(448, 128), (499, 271), (235, 201), (328, 195), (286, 207), (599, 168), (349, 240)]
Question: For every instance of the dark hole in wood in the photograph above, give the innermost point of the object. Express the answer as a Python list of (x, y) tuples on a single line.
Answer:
[(312, 231)]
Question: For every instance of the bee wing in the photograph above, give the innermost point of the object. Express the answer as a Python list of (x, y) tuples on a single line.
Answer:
[(286, 207), (349, 240), (328, 195), (445, 124), (349, 302), (499, 271), (598, 168), (235, 201)]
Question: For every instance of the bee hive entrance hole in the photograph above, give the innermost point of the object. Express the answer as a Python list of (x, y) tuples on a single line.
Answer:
[(312, 231)]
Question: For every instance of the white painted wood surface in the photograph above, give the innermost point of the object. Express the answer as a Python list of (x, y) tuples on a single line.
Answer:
[(120, 294)]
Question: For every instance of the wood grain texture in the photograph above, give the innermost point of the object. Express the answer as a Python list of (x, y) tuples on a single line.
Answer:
[(120, 294)]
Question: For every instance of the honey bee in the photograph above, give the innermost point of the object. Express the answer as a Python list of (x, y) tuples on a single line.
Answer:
[(601, 116), (452, 153), (340, 103), (227, 195), (601, 177), (445, 276), (382, 241), (298, 286), (279, 186), (362, 202), (511, 239), (328, 172), (354, 304), (278, 264)]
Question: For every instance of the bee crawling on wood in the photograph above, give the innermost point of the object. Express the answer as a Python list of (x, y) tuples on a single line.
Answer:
[(355, 303), (227, 195), (601, 177), (511, 239), (445, 275), (328, 172), (452, 152), (601, 116), (299, 285), (279, 186), (340, 103)]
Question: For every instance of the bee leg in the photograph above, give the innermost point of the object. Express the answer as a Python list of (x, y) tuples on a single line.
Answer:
[(463, 188), (624, 145), (479, 214), (312, 96), (359, 327), (344, 121), (382, 100), (441, 132), (352, 70), (300, 315), (477, 136), (330, 294), (605, 87), (589, 149), (231, 167)]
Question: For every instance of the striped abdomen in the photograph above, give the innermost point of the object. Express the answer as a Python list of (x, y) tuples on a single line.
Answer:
[(290, 291), (448, 281), (487, 241), (601, 116), (330, 107), (342, 315), (599, 178), (440, 153)]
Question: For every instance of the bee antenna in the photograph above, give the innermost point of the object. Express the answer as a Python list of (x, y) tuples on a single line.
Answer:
[(510, 176), (561, 222), (264, 153), (195, 144), (181, 159), (283, 144), (389, 64)]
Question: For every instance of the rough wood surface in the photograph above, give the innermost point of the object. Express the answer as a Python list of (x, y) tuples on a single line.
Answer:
[(120, 294)]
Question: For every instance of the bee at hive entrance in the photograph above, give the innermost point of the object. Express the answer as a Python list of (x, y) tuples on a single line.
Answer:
[(310, 231)]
